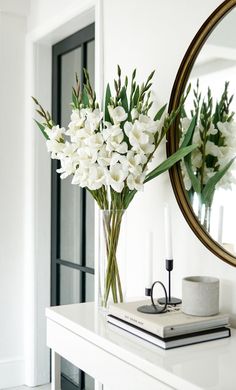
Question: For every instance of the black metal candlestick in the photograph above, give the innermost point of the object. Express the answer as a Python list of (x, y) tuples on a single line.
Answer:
[(171, 300), (154, 308)]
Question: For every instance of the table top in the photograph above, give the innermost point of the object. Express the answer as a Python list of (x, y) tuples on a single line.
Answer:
[(209, 365)]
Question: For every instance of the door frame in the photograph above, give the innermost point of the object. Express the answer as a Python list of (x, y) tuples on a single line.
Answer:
[(37, 186)]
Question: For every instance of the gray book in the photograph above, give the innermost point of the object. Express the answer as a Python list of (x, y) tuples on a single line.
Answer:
[(171, 323), (171, 342)]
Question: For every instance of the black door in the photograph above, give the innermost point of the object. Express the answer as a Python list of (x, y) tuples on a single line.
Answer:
[(72, 219)]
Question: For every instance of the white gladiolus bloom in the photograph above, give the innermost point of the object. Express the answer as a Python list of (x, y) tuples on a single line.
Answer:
[(114, 139), (104, 157), (54, 147), (78, 118), (212, 130), (111, 131), (116, 177), (87, 156), (117, 157), (213, 149), (69, 149), (133, 160), (186, 179), (67, 167), (55, 133), (146, 148), (227, 129), (135, 182), (137, 136), (81, 177), (77, 135), (94, 141), (196, 159), (117, 114), (134, 114), (196, 137), (94, 117), (122, 148), (96, 178), (148, 124)]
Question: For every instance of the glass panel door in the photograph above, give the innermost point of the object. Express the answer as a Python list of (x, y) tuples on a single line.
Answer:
[(72, 257)]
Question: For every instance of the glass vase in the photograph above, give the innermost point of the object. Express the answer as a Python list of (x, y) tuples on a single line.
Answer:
[(111, 264)]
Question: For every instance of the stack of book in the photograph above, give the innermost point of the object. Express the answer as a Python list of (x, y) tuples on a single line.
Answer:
[(170, 329)]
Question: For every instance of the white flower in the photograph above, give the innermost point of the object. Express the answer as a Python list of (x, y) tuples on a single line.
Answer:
[(55, 133), (117, 157), (69, 149), (116, 177), (134, 114), (78, 118), (114, 136), (196, 158), (117, 114), (212, 149), (78, 135), (212, 130), (186, 179), (148, 124), (227, 129), (133, 160), (136, 135), (54, 147), (146, 148), (96, 177), (104, 157), (87, 156), (94, 141), (135, 182), (94, 117), (81, 177), (67, 167)]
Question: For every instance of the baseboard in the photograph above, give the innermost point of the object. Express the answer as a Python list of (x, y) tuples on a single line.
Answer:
[(11, 373)]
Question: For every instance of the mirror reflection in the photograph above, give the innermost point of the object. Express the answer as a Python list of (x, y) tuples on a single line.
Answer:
[(209, 173)]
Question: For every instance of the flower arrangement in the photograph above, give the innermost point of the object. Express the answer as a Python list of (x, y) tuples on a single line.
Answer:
[(210, 165), (108, 151)]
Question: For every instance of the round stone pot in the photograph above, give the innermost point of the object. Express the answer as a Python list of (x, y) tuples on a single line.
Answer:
[(200, 295)]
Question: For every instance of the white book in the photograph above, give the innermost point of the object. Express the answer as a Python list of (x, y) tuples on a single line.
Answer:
[(171, 323), (171, 342)]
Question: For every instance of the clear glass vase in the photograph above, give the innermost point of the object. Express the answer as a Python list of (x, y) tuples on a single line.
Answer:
[(112, 262)]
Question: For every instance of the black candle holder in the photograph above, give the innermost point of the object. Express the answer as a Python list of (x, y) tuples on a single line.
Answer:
[(154, 308), (170, 300)]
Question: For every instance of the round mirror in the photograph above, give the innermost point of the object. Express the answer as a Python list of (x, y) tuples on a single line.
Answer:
[(205, 181)]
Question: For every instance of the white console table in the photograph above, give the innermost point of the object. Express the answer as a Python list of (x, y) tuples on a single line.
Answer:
[(80, 334)]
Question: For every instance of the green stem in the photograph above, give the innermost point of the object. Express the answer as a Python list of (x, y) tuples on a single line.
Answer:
[(112, 224)]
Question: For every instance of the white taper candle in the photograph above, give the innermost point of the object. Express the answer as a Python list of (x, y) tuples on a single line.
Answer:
[(149, 260), (220, 224), (168, 235)]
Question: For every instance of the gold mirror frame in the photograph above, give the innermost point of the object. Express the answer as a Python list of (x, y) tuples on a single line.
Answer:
[(173, 138)]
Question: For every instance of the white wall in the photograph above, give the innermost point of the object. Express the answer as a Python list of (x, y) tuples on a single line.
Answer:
[(12, 34), (155, 35)]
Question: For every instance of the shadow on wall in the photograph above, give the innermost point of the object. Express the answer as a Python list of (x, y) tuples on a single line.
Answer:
[(228, 303)]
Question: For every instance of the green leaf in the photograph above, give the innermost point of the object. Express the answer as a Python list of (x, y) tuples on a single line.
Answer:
[(129, 198), (124, 100), (85, 99), (194, 180), (159, 113), (42, 128), (209, 188), (107, 102), (169, 162), (189, 133), (135, 97), (74, 100)]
